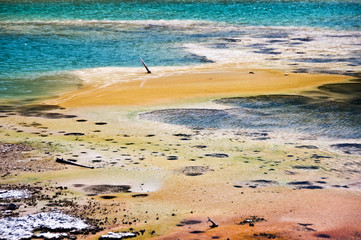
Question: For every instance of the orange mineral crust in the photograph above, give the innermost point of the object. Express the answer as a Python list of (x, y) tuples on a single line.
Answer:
[(136, 159)]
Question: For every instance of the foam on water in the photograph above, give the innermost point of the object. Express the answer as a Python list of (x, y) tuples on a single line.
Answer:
[(296, 48)]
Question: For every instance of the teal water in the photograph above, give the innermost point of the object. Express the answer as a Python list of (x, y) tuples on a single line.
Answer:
[(41, 40), (323, 13)]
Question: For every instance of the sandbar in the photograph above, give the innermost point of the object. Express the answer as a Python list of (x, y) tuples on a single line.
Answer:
[(172, 85)]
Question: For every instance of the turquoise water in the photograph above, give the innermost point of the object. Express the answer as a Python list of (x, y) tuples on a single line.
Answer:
[(41, 40), (332, 13)]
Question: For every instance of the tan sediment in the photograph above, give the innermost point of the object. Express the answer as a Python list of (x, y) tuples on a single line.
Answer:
[(148, 89)]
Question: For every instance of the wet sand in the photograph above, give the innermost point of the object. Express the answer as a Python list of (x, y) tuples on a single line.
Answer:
[(163, 180)]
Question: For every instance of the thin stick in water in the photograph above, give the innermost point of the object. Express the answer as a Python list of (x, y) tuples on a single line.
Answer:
[(145, 66)]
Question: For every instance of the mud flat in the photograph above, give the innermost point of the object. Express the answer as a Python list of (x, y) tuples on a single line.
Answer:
[(262, 156)]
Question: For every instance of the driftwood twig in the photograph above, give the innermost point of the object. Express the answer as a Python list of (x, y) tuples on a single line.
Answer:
[(214, 225), (61, 160), (145, 65)]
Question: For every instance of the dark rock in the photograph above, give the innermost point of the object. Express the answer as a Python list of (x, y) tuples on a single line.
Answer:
[(305, 167), (322, 235), (197, 232), (200, 146), (258, 183), (172, 158), (190, 222), (304, 185), (101, 189), (140, 195), (185, 139), (108, 197), (74, 134), (305, 39), (316, 156), (305, 224), (193, 174), (300, 183), (265, 181), (290, 172), (216, 155), (340, 186), (101, 123), (262, 138), (310, 187), (182, 135), (307, 146), (70, 116), (12, 206)]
